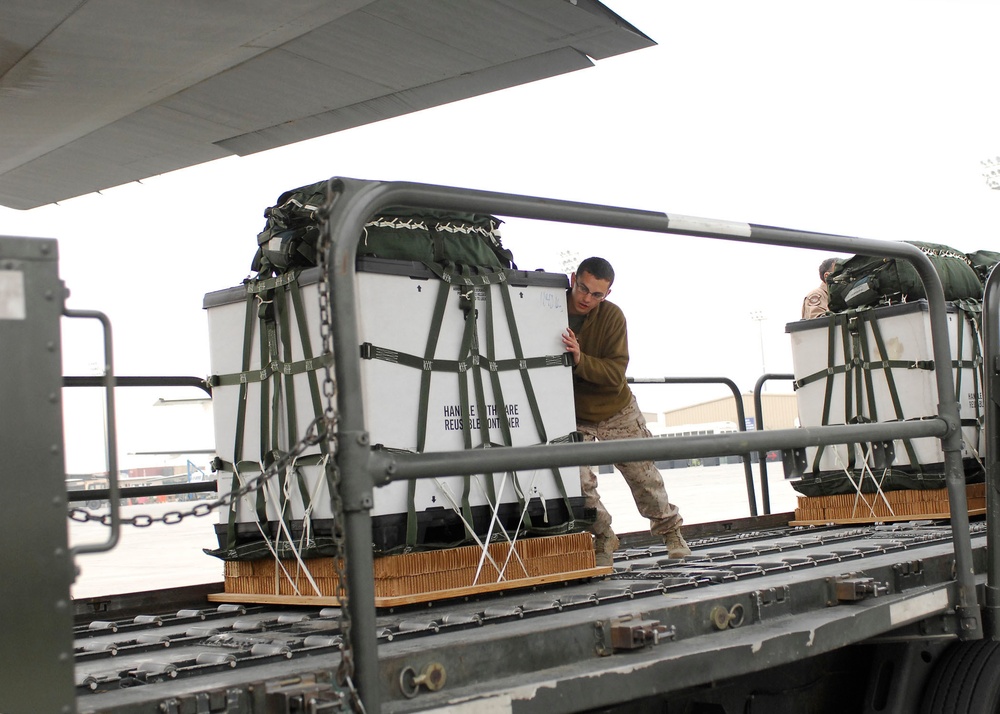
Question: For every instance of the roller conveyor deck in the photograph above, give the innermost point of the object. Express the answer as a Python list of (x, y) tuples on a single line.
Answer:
[(665, 624)]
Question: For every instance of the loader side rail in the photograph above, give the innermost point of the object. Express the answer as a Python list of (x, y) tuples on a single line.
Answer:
[(991, 400), (740, 418), (758, 413), (352, 203)]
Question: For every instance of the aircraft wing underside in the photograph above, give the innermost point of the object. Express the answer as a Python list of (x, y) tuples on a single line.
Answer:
[(97, 93)]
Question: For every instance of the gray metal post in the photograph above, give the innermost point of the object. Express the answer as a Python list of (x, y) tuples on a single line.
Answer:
[(991, 434), (758, 415), (111, 436), (346, 222), (35, 558), (740, 416)]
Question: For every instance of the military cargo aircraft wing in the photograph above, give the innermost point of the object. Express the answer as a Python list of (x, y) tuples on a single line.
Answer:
[(97, 93)]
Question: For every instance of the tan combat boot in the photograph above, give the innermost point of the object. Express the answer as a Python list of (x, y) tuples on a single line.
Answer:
[(605, 546), (677, 547)]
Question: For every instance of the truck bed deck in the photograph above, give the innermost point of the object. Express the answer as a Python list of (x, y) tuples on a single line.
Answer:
[(745, 600)]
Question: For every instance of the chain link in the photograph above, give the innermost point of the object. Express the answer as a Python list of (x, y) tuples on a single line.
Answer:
[(311, 438), (323, 427), (345, 672)]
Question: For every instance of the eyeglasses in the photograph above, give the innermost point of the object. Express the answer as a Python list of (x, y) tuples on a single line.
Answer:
[(582, 289)]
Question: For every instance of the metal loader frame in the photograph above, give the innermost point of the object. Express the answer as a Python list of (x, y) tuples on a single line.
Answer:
[(38, 564), (353, 202)]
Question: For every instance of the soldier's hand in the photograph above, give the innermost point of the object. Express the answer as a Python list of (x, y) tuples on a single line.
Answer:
[(572, 345)]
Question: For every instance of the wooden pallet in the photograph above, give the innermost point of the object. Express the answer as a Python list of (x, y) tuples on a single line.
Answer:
[(904, 505), (418, 577)]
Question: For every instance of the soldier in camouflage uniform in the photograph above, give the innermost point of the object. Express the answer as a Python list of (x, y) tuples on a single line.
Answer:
[(597, 339), (817, 303)]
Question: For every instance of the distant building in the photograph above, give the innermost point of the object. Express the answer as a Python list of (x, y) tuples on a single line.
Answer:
[(779, 411)]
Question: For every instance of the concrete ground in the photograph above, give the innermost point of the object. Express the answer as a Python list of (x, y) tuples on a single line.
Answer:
[(162, 556)]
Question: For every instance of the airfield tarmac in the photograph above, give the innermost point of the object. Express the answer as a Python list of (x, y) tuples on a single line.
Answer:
[(162, 556)]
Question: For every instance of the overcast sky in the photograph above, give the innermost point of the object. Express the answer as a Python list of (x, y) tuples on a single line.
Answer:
[(859, 118)]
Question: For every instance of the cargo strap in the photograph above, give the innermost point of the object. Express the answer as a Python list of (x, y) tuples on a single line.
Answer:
[(241, 410), (425, 387), (831, 371), (386, 354), (533, 402), (471, 361), (249, 467), (271, 303), (866, 364), (501, 407), (859, 361), (872, 319), (452, 273), (289, 369), (470, 350), (972, 311), (299, 311)]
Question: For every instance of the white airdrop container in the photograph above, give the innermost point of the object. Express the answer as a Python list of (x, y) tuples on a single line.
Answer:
[(877, 365), (444, 367)]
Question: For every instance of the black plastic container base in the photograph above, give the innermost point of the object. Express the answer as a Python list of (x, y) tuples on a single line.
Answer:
[(438, 527)]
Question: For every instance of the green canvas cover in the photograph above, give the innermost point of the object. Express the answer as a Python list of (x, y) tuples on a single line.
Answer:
[(435, 238), (867, 280), (835, 484), (982, 262)]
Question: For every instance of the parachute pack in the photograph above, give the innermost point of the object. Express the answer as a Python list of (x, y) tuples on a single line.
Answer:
[(443, 240), (866, 280)]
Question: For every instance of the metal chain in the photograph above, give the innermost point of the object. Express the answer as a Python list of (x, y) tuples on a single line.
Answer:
[(312, 437), (345, 672), (323, 427)]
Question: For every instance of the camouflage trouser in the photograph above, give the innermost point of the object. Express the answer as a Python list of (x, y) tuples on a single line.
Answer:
[(642, 477)]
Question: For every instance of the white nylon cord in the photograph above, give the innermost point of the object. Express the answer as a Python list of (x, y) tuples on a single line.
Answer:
[(443, 487)]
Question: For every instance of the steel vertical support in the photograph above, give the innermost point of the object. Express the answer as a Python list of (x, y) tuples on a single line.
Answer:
[(740, 418), (35, 559), (967, 609), (346, 223), (111, 435), (758, 414), (991, 436)]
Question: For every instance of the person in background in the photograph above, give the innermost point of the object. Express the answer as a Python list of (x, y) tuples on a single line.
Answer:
[(597, 340), (817, 302)]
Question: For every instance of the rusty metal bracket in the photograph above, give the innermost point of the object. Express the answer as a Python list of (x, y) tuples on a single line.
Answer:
[(850, 588), (231, 701), (908, 575), (629, 634), (771, 602), (304, 695)]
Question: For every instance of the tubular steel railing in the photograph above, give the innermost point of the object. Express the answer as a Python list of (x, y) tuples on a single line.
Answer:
[(352, 203), (106, 381), (758, 416), (116, 492), (991, 434), (166, 489), (740, 418), (196, 382)]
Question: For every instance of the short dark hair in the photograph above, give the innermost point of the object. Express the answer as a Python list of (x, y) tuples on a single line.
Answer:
[(599, 268), (827, 265)]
